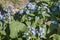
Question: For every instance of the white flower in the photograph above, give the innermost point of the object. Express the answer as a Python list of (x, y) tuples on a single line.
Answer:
[(21, 12), (43, 12), (54, 22)]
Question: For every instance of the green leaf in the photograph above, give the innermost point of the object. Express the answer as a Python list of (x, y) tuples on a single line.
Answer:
[(56, 37), (52, 27), (19, 38), (47, 15), (3, 32), (15, 26)]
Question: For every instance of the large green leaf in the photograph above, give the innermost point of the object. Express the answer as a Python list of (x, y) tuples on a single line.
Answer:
[(15, 26)]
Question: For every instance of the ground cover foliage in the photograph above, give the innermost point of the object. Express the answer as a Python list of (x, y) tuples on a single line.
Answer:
[(37, 20)]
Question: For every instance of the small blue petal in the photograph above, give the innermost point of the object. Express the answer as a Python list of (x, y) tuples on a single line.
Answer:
[(21, 12), (29, 18), (43, 12), (36, 17), (27, 11), (54, 9)]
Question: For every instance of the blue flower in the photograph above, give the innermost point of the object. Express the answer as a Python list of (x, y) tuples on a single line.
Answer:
[(41, 32), (9, 17), (11, 5), (25, 33), (8, 11), (36, 17), (36, 30), (31, 6), (33, 31), (48, 10), (29, 18), (27, 11), (33, 28), (4, 28), (54, 9), (38, 33), (1, 17), (5, 9), (0, 12), (39, 7), (54, 22), (45, 7), (43, 12), (0, 23), (29, 27), (21, 12), (42, 35), (28, 38), (57, 4)]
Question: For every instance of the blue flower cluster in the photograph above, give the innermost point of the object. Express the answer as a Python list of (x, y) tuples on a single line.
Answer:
[(32, 16), (5, 17), (35, 31), (1, 16)]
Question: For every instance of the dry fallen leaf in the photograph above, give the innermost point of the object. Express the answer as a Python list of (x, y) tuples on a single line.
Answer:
[(48, 23)]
